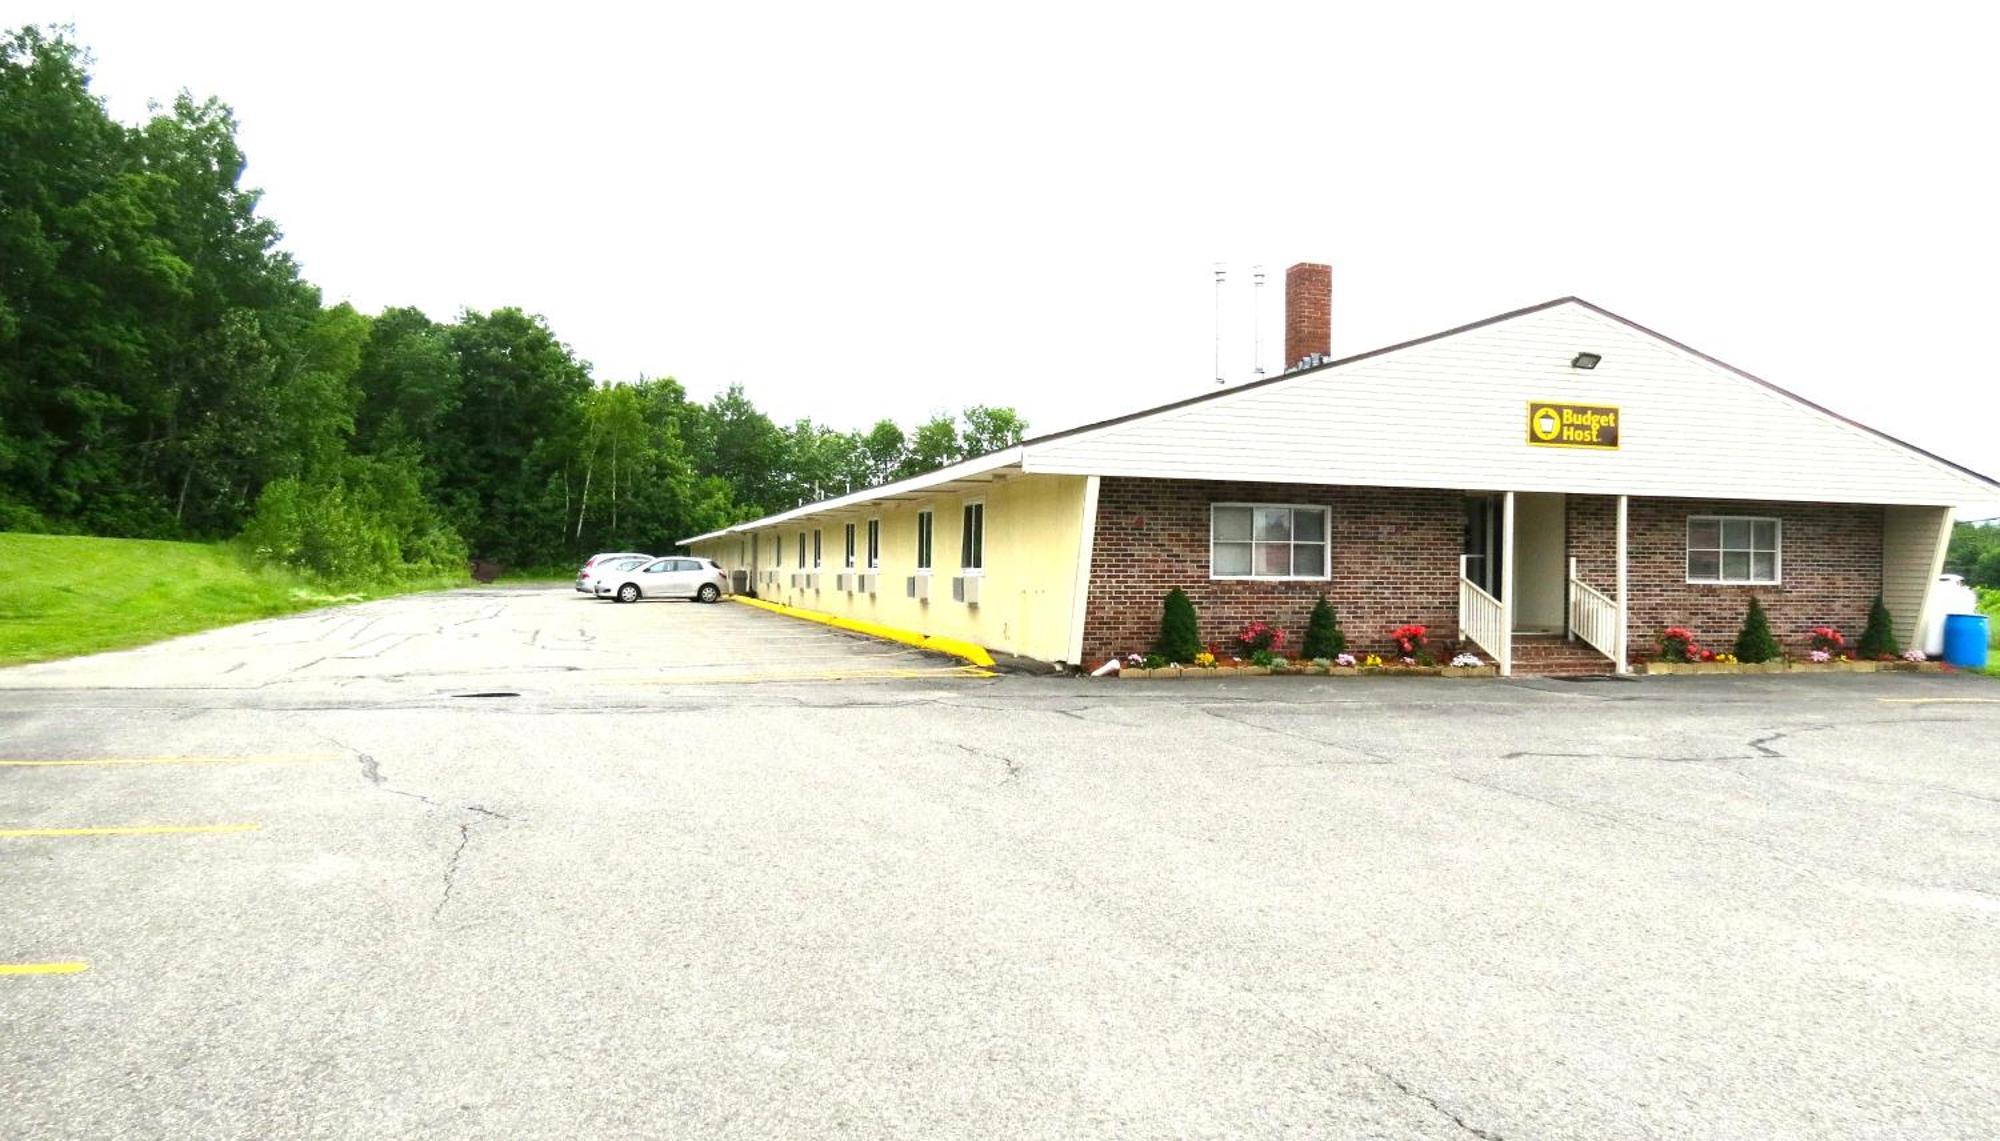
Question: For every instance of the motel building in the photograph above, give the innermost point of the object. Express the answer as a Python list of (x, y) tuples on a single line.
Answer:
[(1553, 486)]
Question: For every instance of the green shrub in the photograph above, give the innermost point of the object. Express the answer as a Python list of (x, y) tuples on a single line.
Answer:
[(1180, 638), (1755, 643), (1878, 639), (1264, 658), (1324, 638), (368, 524)]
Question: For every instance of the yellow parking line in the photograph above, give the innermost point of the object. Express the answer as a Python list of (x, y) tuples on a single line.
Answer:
[(813, 675), (261, 759), (42, 968), (129, 830)]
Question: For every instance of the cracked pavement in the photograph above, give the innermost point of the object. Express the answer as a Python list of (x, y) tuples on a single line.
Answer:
[(634, 902)]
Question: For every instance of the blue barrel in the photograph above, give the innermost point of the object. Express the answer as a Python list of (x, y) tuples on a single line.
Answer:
[(1965, 640)]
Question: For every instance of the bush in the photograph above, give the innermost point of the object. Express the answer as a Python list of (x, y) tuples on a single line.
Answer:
[(1878, 638), (1755, 643), (368, 524), (1323, 635), (1180, 639)]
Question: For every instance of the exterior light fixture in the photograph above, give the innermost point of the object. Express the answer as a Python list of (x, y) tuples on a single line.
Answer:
[(1585, 360)]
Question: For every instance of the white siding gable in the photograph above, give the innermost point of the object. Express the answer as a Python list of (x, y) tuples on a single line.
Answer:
[(1452, 412)]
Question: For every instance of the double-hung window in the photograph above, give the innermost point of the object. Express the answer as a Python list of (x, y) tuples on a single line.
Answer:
[(1734, 549), (816, 552), (1267, 540), (874, 543), (849, 561), (972, 538), (802, 550), (923, 540)]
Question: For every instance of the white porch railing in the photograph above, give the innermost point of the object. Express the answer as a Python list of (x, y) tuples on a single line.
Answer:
[(1482, 619), (1593, 616)]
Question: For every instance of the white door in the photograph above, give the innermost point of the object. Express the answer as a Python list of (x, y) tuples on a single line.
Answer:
[(1541, 573)]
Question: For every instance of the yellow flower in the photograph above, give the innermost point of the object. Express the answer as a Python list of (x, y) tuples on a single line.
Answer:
[(1372, 660), (1204, 659)]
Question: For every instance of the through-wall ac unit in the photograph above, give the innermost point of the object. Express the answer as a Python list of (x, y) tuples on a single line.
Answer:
[(844, 581), (919, 587), (965, 588), (813, 580), (870, 582), (799, 580)]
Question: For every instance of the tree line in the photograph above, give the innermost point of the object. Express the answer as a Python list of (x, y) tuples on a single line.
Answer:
[(165, 371), (1975, 553)]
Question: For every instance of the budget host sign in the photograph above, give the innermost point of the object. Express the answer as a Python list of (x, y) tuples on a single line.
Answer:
[(1572, 425)]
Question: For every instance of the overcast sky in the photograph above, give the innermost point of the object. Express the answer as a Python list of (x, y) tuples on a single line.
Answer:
[(857, 210)]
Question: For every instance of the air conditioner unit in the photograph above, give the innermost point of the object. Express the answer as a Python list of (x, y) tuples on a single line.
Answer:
[(965, 589), (799, 581), (813, 580), (844, 581), (920, 587), (871, 582)]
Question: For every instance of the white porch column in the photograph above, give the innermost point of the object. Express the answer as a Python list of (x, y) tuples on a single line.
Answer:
[(1507, 591), (1623, 662)]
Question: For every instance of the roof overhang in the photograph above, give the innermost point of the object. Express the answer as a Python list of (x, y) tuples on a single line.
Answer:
[(963, 476)]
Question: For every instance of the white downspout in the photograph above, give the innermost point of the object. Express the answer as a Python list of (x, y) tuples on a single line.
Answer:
[(1623, 662), (1507, 585), (1079, 601)]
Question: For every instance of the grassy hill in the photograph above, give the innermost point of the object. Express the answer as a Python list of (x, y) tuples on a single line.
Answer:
[(62, 595)]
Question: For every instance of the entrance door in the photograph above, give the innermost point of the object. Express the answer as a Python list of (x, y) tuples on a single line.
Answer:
[(1541, 573)]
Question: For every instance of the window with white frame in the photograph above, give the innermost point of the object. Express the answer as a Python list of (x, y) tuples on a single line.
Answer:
[(874, 543), (816, 549), (972, 538), (1267, 540), (1734, 549), (848, 561), (802, 550), (923, 540)]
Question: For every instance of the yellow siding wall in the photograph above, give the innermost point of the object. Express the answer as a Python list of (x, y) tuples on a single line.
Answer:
[(1913, 546), (1034, 527)]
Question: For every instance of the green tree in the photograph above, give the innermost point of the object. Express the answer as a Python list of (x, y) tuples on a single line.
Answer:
[(989, 429), (1878, 638), (1755, 643), (882, 449), (1180, 635), (1324, 638), (933, 445)]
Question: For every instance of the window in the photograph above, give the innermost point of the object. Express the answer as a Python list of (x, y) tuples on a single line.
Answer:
[(874, 543), (802, 550), (816, 558), (1733, 549), (1258, 540), (972, 538), (849, 563), (923, 540)]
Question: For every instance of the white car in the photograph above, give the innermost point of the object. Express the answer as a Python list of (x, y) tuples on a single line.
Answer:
[(598, 564), (682, 576)]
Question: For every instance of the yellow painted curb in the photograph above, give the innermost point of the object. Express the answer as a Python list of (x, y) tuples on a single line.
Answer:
[(42, 968), (958, 648)]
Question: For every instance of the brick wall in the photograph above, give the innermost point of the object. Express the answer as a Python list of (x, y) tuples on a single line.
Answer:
[(1831, 571), (1395, 560), (1308, 311)]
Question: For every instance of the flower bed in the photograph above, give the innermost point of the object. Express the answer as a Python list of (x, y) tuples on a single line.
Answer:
[(1778, 667)]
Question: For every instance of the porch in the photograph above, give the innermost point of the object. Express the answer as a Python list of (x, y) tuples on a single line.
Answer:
[(1523, 597)]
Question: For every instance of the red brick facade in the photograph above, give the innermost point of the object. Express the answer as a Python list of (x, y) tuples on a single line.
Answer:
[(1832, 571), (1308, 311), (1395, 559)]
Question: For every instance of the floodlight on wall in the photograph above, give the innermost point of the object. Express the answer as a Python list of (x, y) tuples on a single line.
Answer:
[(1585, 360)]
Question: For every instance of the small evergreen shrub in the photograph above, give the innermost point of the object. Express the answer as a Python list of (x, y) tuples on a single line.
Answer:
[(1878, 638), (1179, 640), (1755, 643), (1324, 638)]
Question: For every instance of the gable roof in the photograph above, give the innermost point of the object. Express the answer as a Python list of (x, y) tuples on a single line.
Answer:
[(1935, 480)]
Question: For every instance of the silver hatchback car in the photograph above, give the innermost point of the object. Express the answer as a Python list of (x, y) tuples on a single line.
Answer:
[(679, 576)]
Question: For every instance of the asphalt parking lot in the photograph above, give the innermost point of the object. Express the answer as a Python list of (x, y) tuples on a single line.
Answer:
[(710, 872)]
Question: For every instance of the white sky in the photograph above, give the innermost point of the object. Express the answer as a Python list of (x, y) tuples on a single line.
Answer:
[(858, 210)]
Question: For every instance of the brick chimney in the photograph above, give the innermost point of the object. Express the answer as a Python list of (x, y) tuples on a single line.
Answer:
[(1308, 312)]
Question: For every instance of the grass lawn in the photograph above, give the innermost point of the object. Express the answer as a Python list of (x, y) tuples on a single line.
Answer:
[(62, 595)]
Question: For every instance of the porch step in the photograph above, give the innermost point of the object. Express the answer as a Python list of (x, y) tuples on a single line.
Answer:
[(1551, 655)]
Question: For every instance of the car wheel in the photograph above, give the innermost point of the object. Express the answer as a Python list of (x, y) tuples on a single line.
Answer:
[(629, 592), (708, 592)]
